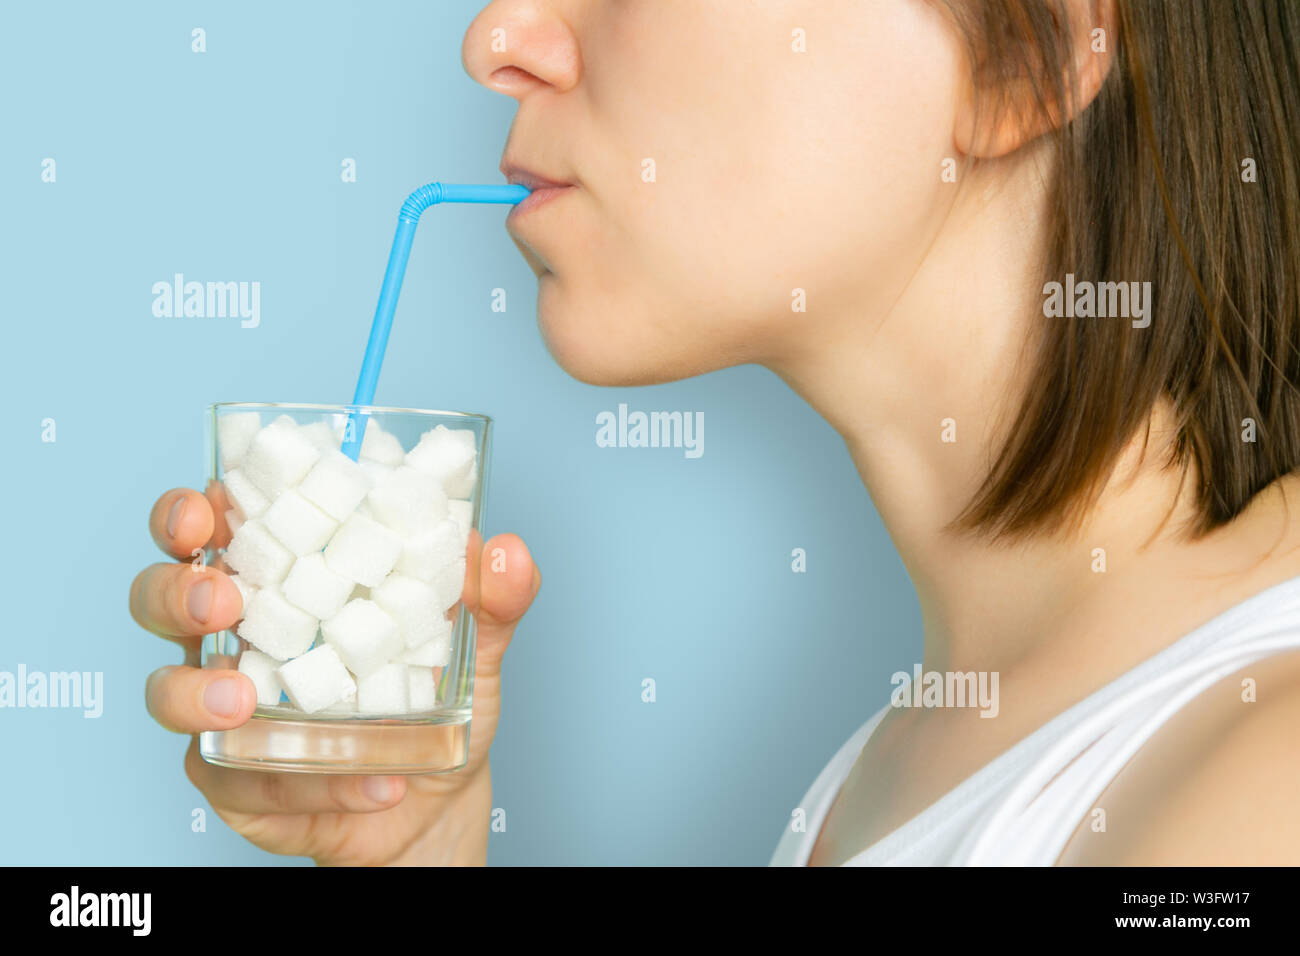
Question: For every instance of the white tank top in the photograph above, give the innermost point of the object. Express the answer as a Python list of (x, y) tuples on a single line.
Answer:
[(1022, 808)]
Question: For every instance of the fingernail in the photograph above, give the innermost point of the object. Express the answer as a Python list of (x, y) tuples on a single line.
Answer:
[(174, 516), (378, 789), (223, 697), (199, 601)]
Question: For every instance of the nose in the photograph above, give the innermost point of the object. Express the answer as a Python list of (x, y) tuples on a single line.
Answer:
[(516, 47)]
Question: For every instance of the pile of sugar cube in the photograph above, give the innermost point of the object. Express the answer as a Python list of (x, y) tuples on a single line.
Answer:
[(347, 568)]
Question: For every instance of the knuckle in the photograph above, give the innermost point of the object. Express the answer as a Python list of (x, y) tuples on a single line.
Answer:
[(150, 684), (138, 597), (160, 695), (133, 599), (178, 694)]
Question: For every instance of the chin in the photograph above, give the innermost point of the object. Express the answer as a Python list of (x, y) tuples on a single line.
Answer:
[(595, 360), (593, 343)]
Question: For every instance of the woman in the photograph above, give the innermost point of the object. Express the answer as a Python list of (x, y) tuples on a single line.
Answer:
[(1037, 262)]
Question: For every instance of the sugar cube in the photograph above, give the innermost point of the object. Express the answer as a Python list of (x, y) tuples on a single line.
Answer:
[(348, 705), (463, 513), (384, 690), (234, 432), (257, 556), (320, 435), (414, 605), (278, 457), (312, 586), (381, 446), (405, 499), (434, 653), (365, 636), (244, 495), (316, 680), (377, 445), (449, 583), (421, 690), (363, 550), (374, 471), (462, 487), (276, 627), (336, 485), (428, 551), (298, 524), (260, 668), (449, 456)]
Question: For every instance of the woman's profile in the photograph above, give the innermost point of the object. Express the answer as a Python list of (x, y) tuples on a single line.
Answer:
[(1038, 263)]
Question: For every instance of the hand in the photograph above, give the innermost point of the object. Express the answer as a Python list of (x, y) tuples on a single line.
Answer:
[(334, 819)]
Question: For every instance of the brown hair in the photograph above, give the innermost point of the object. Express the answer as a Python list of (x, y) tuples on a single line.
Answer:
[(1148, 186)]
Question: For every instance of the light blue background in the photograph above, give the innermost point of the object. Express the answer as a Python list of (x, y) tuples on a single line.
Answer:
[(225, 166)]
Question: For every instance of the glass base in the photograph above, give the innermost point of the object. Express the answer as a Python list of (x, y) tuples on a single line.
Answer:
[(350, 745)]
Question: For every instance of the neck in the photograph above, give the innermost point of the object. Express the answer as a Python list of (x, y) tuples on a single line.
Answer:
[(901, 373)]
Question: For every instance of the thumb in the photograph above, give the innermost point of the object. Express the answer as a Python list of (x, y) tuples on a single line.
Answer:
[(498, 596)]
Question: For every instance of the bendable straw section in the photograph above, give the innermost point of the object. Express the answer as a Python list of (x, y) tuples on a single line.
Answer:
[(407, 219), (419, 201)]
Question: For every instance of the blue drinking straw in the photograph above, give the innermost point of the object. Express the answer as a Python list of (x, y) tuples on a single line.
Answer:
[(407, 220)]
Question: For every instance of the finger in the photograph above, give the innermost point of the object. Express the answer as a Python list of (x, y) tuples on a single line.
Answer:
[(220, 503), (189, 700), (256, 791), (507, 582), (181, 521), (184, 601)]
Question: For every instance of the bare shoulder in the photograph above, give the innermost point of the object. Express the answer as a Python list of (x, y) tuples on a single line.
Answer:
[(1218, 784)]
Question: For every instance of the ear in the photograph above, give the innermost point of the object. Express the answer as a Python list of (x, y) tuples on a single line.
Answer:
[(985, 133)]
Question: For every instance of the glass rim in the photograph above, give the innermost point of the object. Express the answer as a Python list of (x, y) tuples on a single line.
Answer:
[(385, 409)]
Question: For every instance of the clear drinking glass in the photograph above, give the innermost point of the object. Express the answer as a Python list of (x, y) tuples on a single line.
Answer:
[(290, 523)]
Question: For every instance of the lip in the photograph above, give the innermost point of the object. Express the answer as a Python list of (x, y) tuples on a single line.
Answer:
[(536, 198), (541, 189)]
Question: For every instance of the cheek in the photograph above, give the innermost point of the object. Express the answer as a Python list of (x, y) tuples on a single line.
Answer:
[(817, 171), (786, 170), (845, 172), (676, 233)]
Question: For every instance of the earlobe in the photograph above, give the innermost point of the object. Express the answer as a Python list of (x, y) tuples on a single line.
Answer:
[(990, 130), (992, 123)]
